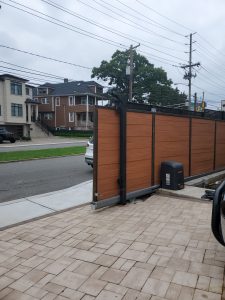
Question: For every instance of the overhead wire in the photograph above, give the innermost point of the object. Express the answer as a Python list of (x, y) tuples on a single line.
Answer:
[(119, 33), (137, 26), (64, 24), (169, 19), (151, 20), (45, 57)]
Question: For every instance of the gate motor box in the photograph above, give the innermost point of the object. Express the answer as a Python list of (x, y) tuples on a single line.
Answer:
[(172, 175)]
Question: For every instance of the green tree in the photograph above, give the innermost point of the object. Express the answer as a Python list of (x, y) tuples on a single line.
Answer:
[(150, 84)]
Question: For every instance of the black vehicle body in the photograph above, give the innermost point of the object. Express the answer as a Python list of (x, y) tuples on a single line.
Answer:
[(5, 135)]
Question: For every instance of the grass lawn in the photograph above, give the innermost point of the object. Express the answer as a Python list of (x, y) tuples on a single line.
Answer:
[(42, 153)]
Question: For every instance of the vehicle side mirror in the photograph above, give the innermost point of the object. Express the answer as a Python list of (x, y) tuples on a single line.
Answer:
[(218, 214)]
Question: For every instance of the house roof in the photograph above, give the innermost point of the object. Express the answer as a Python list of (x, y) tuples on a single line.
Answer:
[(9, 76), (71, 88)]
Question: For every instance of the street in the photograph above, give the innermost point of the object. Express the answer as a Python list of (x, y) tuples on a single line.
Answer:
[(27, 178)]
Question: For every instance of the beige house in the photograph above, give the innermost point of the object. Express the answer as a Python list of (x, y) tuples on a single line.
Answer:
[(18, 110)]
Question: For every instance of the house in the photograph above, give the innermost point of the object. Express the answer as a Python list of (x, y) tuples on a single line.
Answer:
[(68, 105), (18, 110)]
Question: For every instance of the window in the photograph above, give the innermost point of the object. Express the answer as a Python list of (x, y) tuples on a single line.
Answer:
[(83, 100), (57, 101), (44, 101), (16, 110), (16, 88), (71, 117), (48, 116), (42, 91), (71, 101), (91, 100), (27, 91)]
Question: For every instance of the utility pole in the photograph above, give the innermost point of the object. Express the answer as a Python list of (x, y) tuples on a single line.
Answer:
[(195, 104), (188, 75), (130, 69)]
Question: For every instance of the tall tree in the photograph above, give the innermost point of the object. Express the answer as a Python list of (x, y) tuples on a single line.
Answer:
[(150, 84)]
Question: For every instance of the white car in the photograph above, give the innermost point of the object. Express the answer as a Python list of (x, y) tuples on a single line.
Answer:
[(89, 152)]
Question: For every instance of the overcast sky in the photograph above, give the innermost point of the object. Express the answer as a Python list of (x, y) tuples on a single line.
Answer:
[(106, 25)]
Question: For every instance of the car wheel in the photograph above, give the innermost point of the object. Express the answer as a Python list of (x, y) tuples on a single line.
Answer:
[(12, 140)]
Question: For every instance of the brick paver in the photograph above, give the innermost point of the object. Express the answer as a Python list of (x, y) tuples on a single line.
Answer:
[(162, 248)]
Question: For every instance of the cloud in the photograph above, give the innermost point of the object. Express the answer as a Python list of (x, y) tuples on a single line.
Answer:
[(25, 31)]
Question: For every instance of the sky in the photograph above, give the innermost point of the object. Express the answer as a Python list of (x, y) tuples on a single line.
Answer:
[(82, 33)]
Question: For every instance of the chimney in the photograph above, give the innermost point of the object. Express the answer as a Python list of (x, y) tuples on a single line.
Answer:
[(66, 80)]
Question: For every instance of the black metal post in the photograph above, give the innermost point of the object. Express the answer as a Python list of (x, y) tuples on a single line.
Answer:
[(123, 150)]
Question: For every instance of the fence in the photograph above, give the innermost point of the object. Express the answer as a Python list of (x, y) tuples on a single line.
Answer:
[(150, 138)]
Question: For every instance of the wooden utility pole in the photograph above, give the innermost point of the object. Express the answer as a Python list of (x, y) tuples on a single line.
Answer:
[(188, 75), (130, 70)]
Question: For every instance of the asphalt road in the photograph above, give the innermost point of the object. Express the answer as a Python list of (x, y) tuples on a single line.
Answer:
[(7, 147), (28, 178)]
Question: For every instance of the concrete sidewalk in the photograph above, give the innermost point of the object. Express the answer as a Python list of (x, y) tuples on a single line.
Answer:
[(17, 211), (29, 208)]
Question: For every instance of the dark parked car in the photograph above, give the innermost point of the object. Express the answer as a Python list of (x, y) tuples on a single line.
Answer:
[(5, 135)]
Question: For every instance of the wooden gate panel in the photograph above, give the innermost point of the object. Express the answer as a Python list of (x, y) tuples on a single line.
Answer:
[(171, 142), (202, 146), (220, 145), (107, 159), (139, 150)]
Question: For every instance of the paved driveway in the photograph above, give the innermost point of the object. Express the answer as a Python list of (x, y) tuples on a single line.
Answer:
[(159, 249)]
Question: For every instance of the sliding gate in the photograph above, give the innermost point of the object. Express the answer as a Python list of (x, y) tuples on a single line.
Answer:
[(129, 149)]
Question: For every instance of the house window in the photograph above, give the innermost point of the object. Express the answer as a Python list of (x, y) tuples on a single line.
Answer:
[(16, 88), (44, 101), (71, 101), (91, 100), (27, 91), (57, 101), (71, 117), (48, 116), (83, 100), (16, 110)]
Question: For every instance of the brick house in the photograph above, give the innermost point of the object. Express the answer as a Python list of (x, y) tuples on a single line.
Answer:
[(68, 105), (18, 109)]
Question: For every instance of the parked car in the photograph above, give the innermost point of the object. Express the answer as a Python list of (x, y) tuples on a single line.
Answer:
[(5, 135), (218, 214), (89, 152)]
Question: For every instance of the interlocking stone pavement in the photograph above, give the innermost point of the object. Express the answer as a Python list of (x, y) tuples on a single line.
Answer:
[(158, 249)]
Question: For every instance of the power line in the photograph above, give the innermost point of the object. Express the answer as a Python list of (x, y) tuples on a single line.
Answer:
[(45, 57), (202, 89), (169, 19), (39, 73), (27, 76), (155, 23), (137, 24), (82, 31), (122, 21), (107, 28)]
